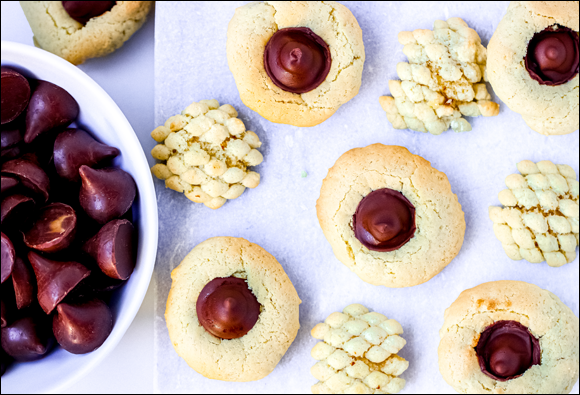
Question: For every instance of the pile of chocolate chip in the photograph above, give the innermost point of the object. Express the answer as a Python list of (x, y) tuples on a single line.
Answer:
[(67, 237)]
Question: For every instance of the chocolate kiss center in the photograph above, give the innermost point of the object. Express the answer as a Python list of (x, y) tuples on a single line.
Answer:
[(384, 220), (550, 53), (506, 350), (386, 230), (227, 308), (230, 307), (83, 11), (296, 59), (232, 311), (510, 353)]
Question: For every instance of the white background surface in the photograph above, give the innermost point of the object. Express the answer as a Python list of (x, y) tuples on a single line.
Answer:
[(127, 76), (280, 215)]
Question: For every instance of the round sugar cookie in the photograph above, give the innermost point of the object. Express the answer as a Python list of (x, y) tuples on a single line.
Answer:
[(295, 62), (509, 337), (216, 269), (532, 64), (389, 216), (57, 32)]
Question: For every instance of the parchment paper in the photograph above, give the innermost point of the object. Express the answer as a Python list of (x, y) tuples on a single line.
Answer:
[(280, 215)]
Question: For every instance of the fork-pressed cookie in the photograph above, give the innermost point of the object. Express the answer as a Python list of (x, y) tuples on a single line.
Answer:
[(232, 312), (389, 216), (358, 353), (539, 220), (295, 62), (442, 82), (509, 337), (58, 32), (205, 152)]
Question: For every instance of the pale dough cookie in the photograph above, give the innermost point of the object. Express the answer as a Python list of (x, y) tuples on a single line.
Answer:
[(358, 353), (255, 355), (539, 220), (542, 312), (440, 223), (549, 110), (55, 31), (205, 153), (443, 81), (250, 30)]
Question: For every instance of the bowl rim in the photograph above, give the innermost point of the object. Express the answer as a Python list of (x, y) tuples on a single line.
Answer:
[(147, 201)]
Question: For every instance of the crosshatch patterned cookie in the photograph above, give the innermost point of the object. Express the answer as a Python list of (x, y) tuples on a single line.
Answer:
[(206, 152), (539, 220), (358, 353), (443, 81)]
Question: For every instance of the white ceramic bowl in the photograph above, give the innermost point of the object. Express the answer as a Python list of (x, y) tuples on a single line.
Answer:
[(102, 117)]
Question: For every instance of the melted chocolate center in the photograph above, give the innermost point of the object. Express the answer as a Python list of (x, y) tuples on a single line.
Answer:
[(82, 11), (296, 59), (227, 308), (506, 350), (552, 57), (384, 220)]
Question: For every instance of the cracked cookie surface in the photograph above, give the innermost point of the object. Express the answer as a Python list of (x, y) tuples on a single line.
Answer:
[(443, 81), (55, 31), (542, 312), (440, 223), (539, 220), (549, 110), (358, 353), (254, 355), (206, 152), (250, 30)]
